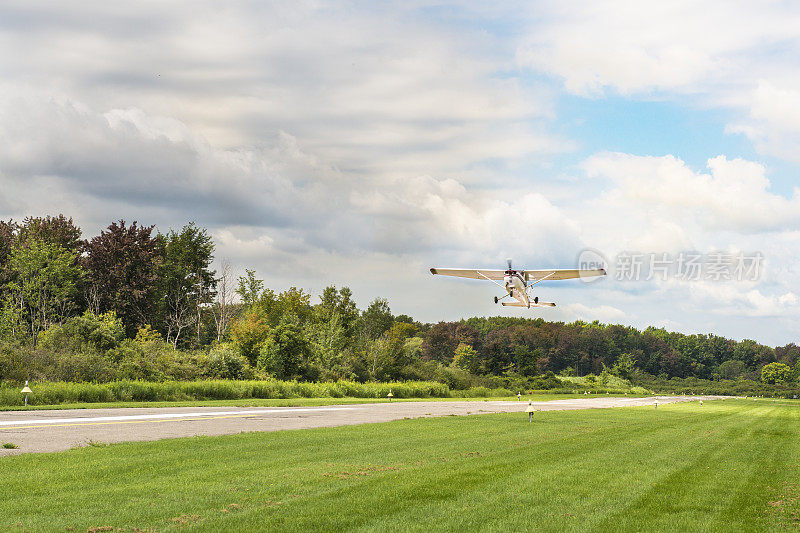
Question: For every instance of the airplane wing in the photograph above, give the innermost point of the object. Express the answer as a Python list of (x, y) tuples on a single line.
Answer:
[(556, 273), (469, 273)]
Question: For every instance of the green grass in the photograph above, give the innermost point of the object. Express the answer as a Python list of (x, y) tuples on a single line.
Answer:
[(725, 466), (54, 393), (69, 395), (279, 402)]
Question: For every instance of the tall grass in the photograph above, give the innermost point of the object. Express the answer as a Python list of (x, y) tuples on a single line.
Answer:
[(54, 393)]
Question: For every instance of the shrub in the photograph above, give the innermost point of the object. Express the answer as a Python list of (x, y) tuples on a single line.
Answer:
[(248, 335), (98, 333), (225, 362), (149, 357), (83, 367), (14, 366), (776, 373)]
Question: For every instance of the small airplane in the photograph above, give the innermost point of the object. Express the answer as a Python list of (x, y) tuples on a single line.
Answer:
[(518, 283)]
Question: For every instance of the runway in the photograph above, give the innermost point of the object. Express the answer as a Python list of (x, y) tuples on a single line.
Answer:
[(58, 430)]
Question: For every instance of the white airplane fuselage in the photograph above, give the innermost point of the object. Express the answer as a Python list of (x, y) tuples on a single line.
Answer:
[(517, 288)]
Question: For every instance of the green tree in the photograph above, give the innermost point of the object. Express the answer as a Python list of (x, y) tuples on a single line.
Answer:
[(224, 362), (186, 280), (297, 303), (248, 334), (258, 299), (329, 341), (44, 286), (250, 288), (341, 303), (731, 369), (525, 360), (376, 319), (9, 321), (747, 351), (776, 373), (466, 358), (286, 350), (390, 354), (624, 366)]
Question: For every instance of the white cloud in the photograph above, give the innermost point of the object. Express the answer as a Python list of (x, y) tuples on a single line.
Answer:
[(443, 215), (773, 124), (728, 298), (738, 56), (657, 46), (604, 313), (734, 195)]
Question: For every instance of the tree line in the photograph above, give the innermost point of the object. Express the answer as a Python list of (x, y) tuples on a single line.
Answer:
[(48, 274), (137, 303)]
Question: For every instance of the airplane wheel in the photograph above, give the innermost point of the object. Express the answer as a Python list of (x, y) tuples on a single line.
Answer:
[(495, 299), (536, 300)]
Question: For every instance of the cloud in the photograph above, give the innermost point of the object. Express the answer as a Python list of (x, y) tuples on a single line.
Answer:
[(774, 122), (736, 56), (312, 122), (444, 215), (361, 144), (604, 313), (727, 298), (374, 89), (733, 195), (635, 47), (146, 161), (158, 164)]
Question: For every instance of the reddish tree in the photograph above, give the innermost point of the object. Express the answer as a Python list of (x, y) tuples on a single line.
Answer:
[(440, 343), (122, 264), (59, 230), (7, 234)]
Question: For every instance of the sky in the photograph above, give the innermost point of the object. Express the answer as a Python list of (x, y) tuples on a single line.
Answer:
[(359, 144)]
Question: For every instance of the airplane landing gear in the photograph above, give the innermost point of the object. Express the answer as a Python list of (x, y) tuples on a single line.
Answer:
[(495, 299)]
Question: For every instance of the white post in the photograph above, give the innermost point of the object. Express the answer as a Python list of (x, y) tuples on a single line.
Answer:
[(25, 391)]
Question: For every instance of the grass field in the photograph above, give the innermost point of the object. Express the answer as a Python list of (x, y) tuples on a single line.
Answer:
[(725, 466)]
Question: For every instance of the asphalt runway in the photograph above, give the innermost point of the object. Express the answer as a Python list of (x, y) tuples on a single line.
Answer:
[(57, 430)]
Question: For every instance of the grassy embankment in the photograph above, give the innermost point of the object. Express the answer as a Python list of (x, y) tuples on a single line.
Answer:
[(65, 395), (192, 392), (725, 466), (282, 402)]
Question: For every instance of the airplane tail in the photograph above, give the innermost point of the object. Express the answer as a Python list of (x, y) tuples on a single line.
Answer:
[(520, 304)]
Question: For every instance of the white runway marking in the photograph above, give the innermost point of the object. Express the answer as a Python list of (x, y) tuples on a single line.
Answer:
[(169, 415)]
